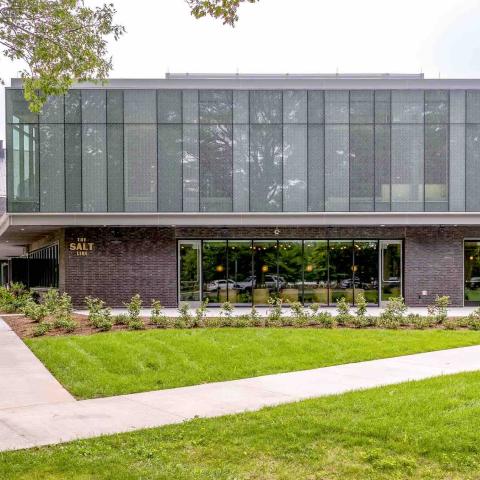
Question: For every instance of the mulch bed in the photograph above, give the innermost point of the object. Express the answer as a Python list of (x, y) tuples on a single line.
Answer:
[(24, 327)]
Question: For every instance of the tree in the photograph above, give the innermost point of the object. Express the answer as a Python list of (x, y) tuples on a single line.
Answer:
[(63, 41), (225, 10)]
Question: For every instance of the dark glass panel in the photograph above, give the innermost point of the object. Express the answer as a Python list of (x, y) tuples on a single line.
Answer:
[(115, 168), (316, 106), (169, 106), (73, 167), (315, 272), (336, 168), (241, 106), (294, 106), (240, 271), (436, 168), (336, 106), (362, 174), (241, 168), (189, 263), (216, 168), (407, 106), (17, 108), (215, 278), (295, 168), (52, 111), (473, 106), (361, 106), (265, 168), (23, 168), (140, 106), (382, 106), (114, 106), (215, 106), (391, 285), (366, 270), (472, 168), (265, 106), (94, 104), (190, 170), (170, 168), (265, 282), (52, 168), (472, 273), (436, 106), (341, 270), (290, 283), (316, 168), (73, 106), (382, 168)]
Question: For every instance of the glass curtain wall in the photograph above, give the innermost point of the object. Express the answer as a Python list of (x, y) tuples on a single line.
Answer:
[(472, 272), (246, 272)]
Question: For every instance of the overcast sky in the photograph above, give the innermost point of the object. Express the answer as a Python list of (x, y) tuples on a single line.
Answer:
[(438, 37)]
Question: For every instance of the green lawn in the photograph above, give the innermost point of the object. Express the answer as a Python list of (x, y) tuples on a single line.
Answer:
[(419, 430), (126, 362)]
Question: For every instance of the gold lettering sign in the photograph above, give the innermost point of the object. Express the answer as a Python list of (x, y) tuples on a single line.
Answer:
[(81, 247)]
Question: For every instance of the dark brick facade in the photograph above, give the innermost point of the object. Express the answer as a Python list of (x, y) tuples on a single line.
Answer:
[(144, 260)]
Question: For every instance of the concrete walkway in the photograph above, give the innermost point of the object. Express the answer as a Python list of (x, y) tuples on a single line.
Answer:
[(37, 425), (24, 380)]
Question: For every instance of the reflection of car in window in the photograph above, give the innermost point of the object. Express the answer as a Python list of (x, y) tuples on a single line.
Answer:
[(473, 283), (220, 285)]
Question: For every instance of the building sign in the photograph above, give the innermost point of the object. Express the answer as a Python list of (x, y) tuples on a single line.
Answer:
[(81, 247)]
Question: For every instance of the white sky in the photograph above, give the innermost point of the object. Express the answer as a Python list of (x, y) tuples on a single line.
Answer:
[(296, 36)]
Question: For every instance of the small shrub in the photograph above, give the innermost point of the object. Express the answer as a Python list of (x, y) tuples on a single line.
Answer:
[(134, 306), (35, 311), (300, 316), (451, 324), (419, 322), (314, 307), (256, 319), (201, 314), (14, 297), (274, 316), (65, 323), (120, 319), (324, 320), (103, 324), (95, 306), (344, 317), (185, 319), (361, 305), (439, 310), (41, 329), (136, 324), (226, 310), (241, 321), (362, 321), (393, 315), (157, 318)]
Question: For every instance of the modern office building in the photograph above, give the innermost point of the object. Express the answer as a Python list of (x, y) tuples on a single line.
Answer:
[(239, 187)]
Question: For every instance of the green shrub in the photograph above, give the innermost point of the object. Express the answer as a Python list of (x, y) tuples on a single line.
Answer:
[(241, 321), (136, 324), (66, 324), (14, 297), (362, 321), (185, 319), (256, 319), (134, 306), (274, 315), (439, 311), (35, 311), (94, 306), (120, 319), (300, 316), (201, 314), (361, 305), (419, 322), (157, 318), (103, 323), (41, 329), (451, 324), (393, 315), (226, 310), (314, 307), (344, 317), (324, 320)]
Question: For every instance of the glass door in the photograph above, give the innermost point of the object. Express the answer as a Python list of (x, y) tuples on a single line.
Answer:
[(189, 258), (390, 269)]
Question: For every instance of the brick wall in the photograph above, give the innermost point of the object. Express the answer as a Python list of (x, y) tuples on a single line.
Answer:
[(144, 260)]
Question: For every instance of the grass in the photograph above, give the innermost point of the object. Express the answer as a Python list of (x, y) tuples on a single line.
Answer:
[(126, 362), (418, 430)]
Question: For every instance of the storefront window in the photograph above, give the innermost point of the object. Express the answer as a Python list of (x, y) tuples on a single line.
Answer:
[(240, 272), (472, 273), (189, 266), (315, 272), (290, 282), (215, 274), (341, 270), (365, 270), (265, 271)]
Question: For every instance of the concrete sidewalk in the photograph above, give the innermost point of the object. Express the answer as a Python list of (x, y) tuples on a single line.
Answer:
[(24, 380), (38, 425)]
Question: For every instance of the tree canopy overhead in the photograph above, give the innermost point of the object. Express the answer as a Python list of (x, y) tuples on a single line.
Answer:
[(63, 41), (225, 10)]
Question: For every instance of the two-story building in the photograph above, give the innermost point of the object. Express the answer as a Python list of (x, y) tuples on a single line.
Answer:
[(239, 187)]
